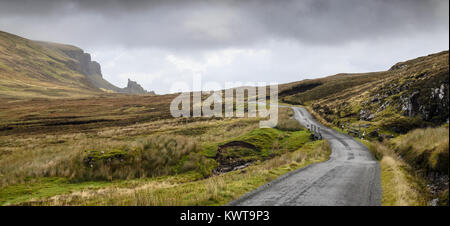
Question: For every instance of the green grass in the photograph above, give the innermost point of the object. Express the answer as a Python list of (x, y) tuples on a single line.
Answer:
[(295, 140), (268, 142), (262, 138), (36, 189), (43, 188)]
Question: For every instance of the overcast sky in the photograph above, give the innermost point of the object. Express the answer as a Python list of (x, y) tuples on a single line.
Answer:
[(160, 42)]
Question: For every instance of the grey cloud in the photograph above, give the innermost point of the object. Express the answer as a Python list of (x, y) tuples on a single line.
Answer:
[(205, 24)]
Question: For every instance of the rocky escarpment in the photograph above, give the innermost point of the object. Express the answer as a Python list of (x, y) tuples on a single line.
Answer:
[(427, 99), (92, 70), (83, 64)]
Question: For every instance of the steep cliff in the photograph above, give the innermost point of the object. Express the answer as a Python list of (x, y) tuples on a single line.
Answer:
[(92, 70)]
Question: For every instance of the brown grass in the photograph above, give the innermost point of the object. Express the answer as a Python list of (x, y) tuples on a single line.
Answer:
[(400, 184), (286, 122), (400, 188), (405, 162), (425, 149), (215, 190)]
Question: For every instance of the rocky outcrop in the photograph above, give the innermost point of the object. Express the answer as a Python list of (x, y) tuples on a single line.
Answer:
[(427, 99), (134, 88), (92, 70), (83, 63), (366, 115)]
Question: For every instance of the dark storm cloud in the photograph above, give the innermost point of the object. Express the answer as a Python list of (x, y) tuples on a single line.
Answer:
[(217, 24)]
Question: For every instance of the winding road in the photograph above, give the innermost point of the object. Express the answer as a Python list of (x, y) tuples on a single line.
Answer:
[(351, 177)]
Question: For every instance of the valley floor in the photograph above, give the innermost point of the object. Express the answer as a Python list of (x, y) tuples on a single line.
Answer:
[(124, 150), (141, 158)]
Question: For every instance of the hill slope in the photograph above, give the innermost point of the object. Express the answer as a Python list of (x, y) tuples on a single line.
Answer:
[(30, 69), (411, 94), (82, 64)]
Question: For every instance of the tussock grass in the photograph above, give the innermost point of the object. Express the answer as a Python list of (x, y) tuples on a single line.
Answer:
[(215, 190), (106, 155), (400, 186), (154, 156), (286, 122), (36, 155), (425, 149)]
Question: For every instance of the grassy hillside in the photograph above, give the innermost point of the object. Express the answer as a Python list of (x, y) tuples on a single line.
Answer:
[(83, 65), (411, 94), (30, 70), (35, 69)]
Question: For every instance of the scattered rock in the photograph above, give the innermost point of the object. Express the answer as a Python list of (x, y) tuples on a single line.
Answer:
[(366, 115), (434, 202), (384, 106), (398, 66)]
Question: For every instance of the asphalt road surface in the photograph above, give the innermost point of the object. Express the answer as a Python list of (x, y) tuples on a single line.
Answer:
[(351, 177)]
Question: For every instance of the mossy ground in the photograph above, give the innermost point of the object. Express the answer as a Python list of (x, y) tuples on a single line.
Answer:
[(38, 188)]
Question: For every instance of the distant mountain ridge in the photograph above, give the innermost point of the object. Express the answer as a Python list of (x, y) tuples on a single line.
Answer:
[(44, 69)]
